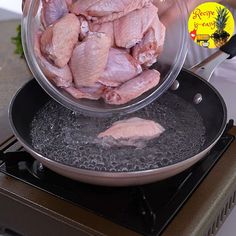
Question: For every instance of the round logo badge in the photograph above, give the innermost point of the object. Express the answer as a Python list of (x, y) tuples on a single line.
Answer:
[(211, 25)]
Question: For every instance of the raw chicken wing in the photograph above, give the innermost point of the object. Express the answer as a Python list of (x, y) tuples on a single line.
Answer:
[(92, 93), (80, 7), (89, 59), (84, 27), (107, 28), (61, 77), (53, 10), (110, 10), (131, 132), (131, 28), (147, 51), (120, 68), (58, 40), (106, 10), (133, 88)]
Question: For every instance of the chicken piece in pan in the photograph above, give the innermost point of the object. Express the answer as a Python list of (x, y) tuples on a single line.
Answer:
[(131, 132)]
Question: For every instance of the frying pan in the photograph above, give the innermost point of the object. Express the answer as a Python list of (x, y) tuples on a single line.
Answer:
[(191, 85)]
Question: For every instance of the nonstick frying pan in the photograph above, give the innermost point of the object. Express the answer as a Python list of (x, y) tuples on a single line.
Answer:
[(191, 85)]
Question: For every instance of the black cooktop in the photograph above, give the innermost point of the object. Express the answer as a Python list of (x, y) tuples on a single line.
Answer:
[(145, 209)]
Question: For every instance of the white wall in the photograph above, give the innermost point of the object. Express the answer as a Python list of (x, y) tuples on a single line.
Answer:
[(11, 5)]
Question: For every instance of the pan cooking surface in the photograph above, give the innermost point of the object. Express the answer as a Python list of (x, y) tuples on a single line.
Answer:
[(70, 138)]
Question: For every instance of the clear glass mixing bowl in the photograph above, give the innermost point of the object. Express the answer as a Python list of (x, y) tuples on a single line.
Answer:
[(169, 63)]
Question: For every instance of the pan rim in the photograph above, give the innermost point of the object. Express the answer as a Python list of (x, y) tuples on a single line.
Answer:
[(121, 175)]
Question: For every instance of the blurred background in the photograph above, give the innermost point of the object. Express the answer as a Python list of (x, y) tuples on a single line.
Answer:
[(11, 5)]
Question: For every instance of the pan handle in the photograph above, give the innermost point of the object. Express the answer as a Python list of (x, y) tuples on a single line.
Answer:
[(230, 47), (206, 68)]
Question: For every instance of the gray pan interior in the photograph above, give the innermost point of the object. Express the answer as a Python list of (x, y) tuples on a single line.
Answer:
[(212, 120)]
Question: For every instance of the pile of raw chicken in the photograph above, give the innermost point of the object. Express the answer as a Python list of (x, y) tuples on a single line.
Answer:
[(100, 48)]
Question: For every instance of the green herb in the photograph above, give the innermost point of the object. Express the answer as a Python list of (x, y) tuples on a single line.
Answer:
[(17, 41)]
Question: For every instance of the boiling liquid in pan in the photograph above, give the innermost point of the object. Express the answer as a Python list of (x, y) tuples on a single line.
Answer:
[(69, 138)]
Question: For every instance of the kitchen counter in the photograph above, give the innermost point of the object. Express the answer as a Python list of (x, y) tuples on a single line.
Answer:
[(13, 72)]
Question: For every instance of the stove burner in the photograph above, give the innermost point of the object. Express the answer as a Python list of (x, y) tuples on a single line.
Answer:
[(36, 169), (145, 209)]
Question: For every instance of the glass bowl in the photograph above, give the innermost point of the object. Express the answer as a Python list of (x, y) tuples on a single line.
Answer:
[(169, 63)]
